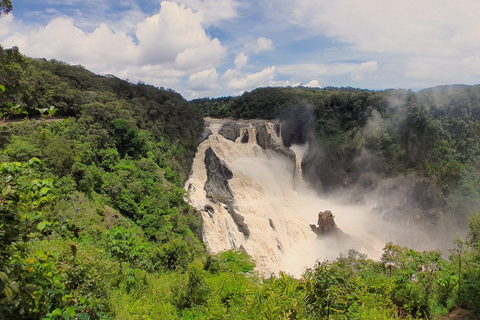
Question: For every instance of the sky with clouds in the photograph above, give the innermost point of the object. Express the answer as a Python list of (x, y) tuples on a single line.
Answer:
[(212, 48)]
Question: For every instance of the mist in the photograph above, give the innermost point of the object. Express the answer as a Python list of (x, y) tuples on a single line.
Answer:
[(277, 206)]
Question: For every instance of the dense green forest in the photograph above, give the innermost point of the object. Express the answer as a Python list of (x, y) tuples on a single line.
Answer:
[(94, 225)]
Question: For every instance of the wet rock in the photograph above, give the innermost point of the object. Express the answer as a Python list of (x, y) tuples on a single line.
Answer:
[(271, 224), (265, 140), (326, 224), (209, 208), (239, 221), (218, 174), (245, 136), (230, 131), (206, 134)]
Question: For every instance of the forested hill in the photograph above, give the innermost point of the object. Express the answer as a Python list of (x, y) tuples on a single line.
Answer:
[(36, 84), (428, 140)]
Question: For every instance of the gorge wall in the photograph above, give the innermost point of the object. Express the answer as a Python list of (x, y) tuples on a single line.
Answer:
[(249, 189)]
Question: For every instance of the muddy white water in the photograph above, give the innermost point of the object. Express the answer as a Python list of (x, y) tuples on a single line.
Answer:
[(276, 205)]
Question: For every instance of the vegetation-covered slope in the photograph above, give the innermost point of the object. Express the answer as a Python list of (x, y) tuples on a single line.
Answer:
[(93, 222)]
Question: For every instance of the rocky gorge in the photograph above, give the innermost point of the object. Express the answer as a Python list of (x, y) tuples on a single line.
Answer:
[(248, 186)]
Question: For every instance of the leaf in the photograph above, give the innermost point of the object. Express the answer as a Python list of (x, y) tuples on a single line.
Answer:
[(66, 315), (7, 190), (71, 311), (44, 190), (15, 286), (9, 294), (41, 226), (43, 257), (32, 287), (2, 87), (84, 316), (3, 277), (57, 312)]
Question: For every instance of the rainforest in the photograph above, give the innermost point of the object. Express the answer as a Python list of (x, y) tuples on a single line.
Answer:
[(104, 213)]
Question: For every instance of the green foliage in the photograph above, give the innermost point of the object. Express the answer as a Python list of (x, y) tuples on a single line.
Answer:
[(5, 7), (329, 291)]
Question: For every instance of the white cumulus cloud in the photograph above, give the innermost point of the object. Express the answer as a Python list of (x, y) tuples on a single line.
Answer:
[(170, 44), (213, 11), (240, 60), (251, 81), (259, 45), (205, 80)]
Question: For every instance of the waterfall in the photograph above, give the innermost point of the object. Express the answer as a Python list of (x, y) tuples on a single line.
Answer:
[(250, 192)]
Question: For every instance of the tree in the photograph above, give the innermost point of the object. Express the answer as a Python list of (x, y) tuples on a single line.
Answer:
[(5, 7)]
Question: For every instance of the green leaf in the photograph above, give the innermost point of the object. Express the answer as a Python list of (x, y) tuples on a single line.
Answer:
[(32, 287), (9, 294), (3, 277), (84, 316), (71, 311), (15, 286), (43, 257), (44, 190), (7, 190), (2, 87), (57, 312), (41, 226), (66, 315)]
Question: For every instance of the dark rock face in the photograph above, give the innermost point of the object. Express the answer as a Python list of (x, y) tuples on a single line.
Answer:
[(239, 221), (245, 136), (271, 224), (265, 140), (326, 224), (206, 134), (230, 131), (218, 174)]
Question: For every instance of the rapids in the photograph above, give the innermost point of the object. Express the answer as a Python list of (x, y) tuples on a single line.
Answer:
[(275, 204)]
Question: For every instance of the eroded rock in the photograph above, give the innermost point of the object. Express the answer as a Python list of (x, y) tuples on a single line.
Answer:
[(326, 224), (218, 174), (239, 221), (230, 131)]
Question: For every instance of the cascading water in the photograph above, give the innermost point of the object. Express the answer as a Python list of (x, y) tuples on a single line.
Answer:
[(249, 190)]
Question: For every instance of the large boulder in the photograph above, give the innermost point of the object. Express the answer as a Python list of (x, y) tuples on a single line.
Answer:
[(230, 131), (326, 224), (218, 174)]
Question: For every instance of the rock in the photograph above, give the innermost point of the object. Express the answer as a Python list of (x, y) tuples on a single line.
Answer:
[(271, 224), (245, 136), (265, 140), (206, 134), (230, 131), (209, 208), (239, 221), (218, 174), (326, 224)]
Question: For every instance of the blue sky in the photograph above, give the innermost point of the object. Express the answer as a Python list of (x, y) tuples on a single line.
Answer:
[(211, 48)]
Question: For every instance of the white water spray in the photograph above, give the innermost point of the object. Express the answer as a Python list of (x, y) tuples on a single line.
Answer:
[(276, 205)]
